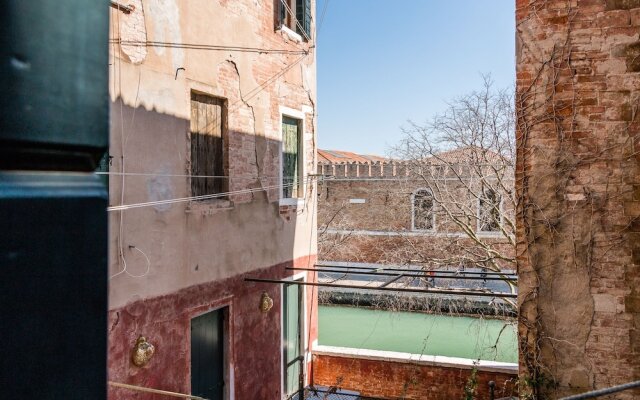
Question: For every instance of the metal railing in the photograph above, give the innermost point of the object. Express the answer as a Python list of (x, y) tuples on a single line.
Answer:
[(155, 391), (604, 392), (324, 393)]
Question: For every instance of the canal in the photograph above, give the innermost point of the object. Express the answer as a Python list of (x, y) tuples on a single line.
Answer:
[(418, 333)]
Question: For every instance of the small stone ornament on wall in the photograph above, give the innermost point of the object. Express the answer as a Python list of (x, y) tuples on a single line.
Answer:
[(142, 352), (266, 302)]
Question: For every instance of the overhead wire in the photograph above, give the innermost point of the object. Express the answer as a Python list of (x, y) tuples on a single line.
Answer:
[(207, 47), (202, 197), (187, 175), (324, 11)]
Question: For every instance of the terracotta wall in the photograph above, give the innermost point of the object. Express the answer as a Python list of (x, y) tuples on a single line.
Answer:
[(578, 178), (394, 380)]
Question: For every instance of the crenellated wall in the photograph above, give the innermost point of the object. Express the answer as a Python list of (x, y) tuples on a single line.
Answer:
[(376, 169)]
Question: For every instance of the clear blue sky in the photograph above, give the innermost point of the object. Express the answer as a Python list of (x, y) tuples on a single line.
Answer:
[(381, 63)]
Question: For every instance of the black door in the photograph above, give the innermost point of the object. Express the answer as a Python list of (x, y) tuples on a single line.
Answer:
[(207, 355)]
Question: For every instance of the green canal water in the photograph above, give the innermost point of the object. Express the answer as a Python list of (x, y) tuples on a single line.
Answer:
[(419, 333)]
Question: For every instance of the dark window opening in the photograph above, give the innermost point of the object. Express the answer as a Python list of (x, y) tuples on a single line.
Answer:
[(489, 211), (423, 216)]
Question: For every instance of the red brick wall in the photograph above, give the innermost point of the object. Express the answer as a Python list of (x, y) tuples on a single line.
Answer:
[(578, 175), (255, 338), (387, 208), (392, 380)]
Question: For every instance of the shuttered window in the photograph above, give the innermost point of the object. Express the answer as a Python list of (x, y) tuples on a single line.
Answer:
[(302, 10), (291, 141), (208, 121), (303, 14)]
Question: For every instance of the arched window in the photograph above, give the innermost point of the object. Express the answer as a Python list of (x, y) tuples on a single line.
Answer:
[(489, 211), (423, 217)]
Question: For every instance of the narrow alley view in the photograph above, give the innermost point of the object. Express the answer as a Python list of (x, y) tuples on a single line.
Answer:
[(320, 199)]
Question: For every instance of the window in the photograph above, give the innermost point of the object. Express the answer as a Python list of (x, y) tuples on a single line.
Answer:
[(489, 211), (208, 121), (423, 215), (288, 11), (291, 158)]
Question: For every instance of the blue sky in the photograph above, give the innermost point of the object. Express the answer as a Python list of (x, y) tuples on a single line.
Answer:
[(381, 63)]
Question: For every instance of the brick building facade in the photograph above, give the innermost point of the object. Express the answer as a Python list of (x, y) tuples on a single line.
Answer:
[(213, 128), (577, 178), (388, 212)]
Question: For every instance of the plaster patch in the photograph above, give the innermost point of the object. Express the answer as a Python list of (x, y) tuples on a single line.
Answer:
[(165, 15), (160, 188)]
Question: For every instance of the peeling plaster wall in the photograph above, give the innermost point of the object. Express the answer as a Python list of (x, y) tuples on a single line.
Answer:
[(150, 123), (578, 176), (252, 337), (172, 249)]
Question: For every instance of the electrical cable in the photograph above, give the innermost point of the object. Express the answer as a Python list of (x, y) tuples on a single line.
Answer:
[(202, 197), (194, 46), (324, 11), (191, 176)]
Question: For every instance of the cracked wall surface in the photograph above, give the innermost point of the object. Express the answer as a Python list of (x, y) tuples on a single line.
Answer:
[(577, 177)]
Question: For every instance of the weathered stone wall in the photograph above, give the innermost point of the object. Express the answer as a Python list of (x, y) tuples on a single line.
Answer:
[(578, 86)]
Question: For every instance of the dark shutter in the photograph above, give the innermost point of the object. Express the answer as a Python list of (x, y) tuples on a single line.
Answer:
[(303, 15), (290, 160), (207, 355), (207, 145)]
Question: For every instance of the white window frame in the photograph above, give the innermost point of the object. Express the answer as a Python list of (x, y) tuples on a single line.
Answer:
[(413, 211), (479, 221), (302, 276), (300, 116)]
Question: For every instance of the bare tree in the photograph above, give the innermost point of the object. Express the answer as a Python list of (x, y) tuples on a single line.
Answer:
[(464, 159)]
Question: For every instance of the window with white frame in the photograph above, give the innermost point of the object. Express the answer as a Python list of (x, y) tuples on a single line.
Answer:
[(292, 166), (422, 207), (489, 211)]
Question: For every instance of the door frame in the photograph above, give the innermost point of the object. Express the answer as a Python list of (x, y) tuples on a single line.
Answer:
[(226, 305), (302, 276)]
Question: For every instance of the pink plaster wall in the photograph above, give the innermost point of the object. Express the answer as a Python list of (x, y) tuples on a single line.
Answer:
[(254, 338)]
